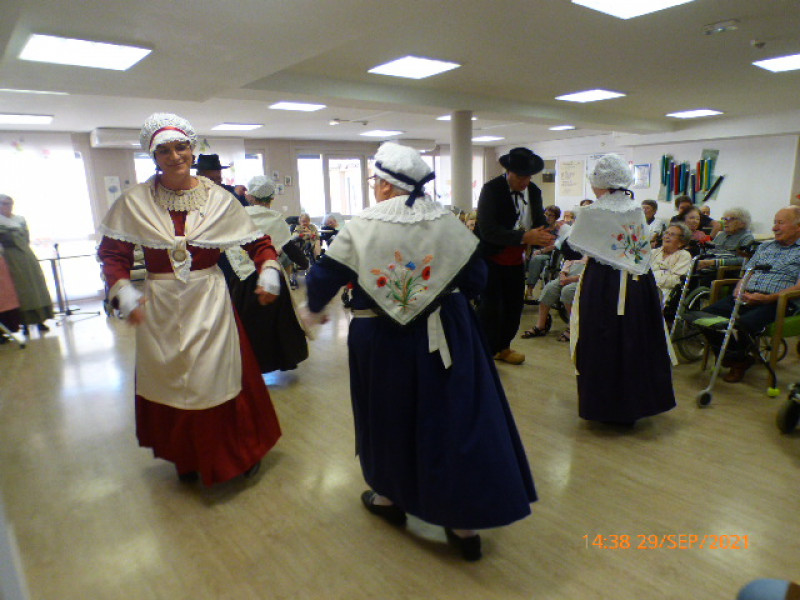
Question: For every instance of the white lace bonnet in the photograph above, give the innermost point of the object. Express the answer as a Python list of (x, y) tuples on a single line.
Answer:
[(161, 128), (611, 173), (403, 167)]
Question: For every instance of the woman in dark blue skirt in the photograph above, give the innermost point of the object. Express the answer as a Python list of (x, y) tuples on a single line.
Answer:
[(434, 432), (619, 341)]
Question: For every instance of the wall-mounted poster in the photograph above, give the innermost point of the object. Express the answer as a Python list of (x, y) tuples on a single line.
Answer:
[(571, 175), (641, 176)]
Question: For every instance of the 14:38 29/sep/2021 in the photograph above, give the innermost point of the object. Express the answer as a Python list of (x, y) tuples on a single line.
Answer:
[(670, 541)]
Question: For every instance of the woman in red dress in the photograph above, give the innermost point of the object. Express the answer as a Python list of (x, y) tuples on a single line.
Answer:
[(200, 400)]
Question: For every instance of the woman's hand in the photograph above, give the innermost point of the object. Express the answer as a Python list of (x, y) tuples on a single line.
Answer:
[(136, 316), (264, 297)]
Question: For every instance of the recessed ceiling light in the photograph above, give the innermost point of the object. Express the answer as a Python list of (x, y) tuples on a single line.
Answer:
[(694, 114), (11, 119), (448, 117), (628, 9), (780, 63), (236, 127), (487, 138), (590, 96), (302, 106), (381, 133), (42, 92), (414, 67), (721, 27), (81, 53), (562, 128)]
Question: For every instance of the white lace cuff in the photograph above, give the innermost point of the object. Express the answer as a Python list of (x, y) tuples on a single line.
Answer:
[(270, 280), (127, 298)]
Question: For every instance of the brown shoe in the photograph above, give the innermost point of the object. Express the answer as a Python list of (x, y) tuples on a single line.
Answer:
[(738, 369), (510, 356)]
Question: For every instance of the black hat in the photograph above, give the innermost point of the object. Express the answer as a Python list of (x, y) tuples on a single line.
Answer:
[(522, 161), (208, 162)]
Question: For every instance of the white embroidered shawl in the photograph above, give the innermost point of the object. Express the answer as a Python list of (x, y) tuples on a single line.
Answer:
[(221, 223), (614, 232), (271, 223), (405, 257)]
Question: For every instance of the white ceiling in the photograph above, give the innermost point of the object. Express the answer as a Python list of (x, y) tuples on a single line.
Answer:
[(216, 61)]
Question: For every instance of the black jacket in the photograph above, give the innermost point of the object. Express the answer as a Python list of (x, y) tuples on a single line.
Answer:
[(497, 215)]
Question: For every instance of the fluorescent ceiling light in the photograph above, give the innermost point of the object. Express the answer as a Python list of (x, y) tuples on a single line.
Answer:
[(448, 117), (81, 53), (381, 133), (9, 119), (590, 96), (694, 114), (302, 106), (487, 138), (628, 9), (780, 63), (236, 127), (562, 128), (12, 91), (414, 67)]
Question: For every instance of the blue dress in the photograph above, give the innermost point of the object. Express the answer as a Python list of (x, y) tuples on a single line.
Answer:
[(440, 443)]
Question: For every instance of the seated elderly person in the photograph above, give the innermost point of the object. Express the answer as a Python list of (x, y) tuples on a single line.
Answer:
[(540, 257), (729, 242), (670, 262), (330, 227), (564, 288), (655, 225), (307, 235), (761, 295)]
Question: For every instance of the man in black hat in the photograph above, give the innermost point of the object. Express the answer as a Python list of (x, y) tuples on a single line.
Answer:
[(510, 217), (208, 165)]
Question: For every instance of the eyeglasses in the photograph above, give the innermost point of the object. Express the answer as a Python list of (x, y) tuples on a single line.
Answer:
[(726, 219)]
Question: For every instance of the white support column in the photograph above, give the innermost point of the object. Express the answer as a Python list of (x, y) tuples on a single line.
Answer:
[(461, 159)]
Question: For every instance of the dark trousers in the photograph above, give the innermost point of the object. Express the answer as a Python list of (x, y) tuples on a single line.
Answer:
[(500, 307), (752, 321)]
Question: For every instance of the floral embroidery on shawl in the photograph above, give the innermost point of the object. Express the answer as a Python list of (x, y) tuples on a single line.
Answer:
[(404, 282), (633, 243)]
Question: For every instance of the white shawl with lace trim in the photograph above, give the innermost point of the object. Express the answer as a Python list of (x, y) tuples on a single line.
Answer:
[(221, 223), (405, 257)]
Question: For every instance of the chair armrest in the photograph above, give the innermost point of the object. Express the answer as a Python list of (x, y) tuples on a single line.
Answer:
[(717, 285)]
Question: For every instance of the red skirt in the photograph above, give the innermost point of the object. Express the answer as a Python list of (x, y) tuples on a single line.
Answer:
[(219, 442)]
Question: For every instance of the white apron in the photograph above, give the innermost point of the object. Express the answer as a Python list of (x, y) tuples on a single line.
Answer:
[(192, 362)]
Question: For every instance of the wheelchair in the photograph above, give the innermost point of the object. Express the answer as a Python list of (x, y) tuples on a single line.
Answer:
[(692, 294)]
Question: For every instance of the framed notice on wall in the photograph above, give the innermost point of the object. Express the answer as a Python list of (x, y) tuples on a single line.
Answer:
[(571, 175), (641, 176)]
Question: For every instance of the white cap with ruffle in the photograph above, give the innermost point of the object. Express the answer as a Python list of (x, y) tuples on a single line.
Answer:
[(611, 173), (261, 187), (403, 167), (161, 128)]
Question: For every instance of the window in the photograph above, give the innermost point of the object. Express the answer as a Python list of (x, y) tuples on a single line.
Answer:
[(252, 165), (144, 166), (346, 185), (311, 184)]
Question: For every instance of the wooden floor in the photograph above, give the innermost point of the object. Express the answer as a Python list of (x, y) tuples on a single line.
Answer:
[(96, 517)]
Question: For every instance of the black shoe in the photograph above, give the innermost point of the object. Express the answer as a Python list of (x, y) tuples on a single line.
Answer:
[(43, 328), (252, 471), (391, 513), (470, 546), (189, 477)]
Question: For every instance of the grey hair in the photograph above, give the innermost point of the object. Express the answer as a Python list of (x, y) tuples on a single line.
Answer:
[(796, 211), (740, 214), (686, 233)]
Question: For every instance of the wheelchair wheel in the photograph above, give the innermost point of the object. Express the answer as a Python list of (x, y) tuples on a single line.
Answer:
[(765, 348), (688, 341), (788, 416)]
